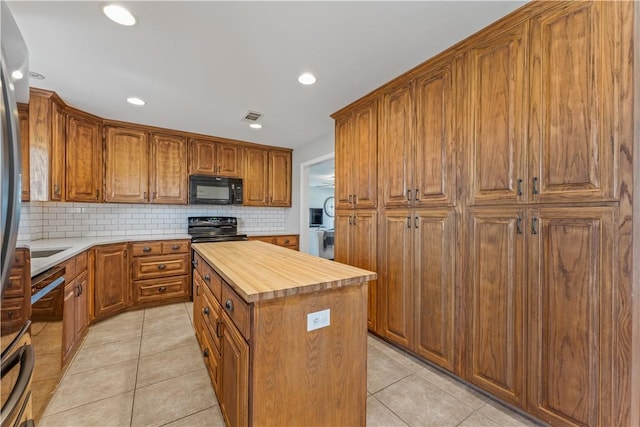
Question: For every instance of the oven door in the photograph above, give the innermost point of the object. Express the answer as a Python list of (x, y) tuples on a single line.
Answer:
[(17, 369)]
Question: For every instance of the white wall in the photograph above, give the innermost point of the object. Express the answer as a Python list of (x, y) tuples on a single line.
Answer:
[(318, 148), (317, 196)]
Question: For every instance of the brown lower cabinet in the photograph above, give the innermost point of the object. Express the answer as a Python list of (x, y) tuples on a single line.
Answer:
[(112, 291), (290, 241), (16, 303), (234, 364), (75, 314)]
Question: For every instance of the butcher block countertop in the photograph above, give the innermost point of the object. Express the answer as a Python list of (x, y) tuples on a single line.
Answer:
[(260, 271)]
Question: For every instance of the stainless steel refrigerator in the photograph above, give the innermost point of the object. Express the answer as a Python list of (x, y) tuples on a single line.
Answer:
[(17, 352)]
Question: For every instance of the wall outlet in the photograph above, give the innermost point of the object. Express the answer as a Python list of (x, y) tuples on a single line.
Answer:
[(318, 320)]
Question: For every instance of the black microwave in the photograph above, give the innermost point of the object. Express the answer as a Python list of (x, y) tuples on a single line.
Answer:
[(214, 190)]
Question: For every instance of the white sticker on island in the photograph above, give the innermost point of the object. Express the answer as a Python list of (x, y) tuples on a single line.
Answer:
[(318, 320)]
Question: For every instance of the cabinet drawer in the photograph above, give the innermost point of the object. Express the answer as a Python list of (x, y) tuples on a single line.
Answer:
[(238, 310), (212, 280), (160, 266), (12, 313), (69, 270), (211, 358), (287, 241), (20, 258), (146, 248), (161, 289), (210, 316), (267, 239), (175, 247), (198, 263), (15, 288), (81, 262)]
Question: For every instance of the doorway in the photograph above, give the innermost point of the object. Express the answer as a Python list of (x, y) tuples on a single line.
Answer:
[(317, 190)]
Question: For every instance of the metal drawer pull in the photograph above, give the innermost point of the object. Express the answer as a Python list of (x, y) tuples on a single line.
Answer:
[(205, 352), (535, 185), (146, 249), (229, 305), (207, 277), (534, 225), (206, 310), (194, 262), (175, 247), (162, 289), (218, 332), (519, 226), (409, 195), (519, 187), (286, 241), (408, 222), (162, 267), (417, 198)]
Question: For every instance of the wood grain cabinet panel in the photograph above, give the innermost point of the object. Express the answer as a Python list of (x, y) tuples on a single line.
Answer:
[(84, 167), (497, 122), (570, 309), (111, 280), (572, 137), (267, 177), (168, 177), (234, 402), (280, 178), (496, 305), (126, 165), (210, 157), (58, 153), (356, 141), (23, 116)]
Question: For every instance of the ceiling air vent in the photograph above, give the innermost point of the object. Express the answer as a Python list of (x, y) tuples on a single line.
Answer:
[(252, 116)]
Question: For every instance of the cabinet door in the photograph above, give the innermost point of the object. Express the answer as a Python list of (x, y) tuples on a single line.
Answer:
[(396, 147), (23, 114), (497, 86), (256, 185), (436, 113), (126, 154), (570, 315), (198, 296), (84, 162), (343, 221), (363, 249), (112, 282), (58, 153), (202, 157), (69, 318), (395, 290), (235, 375), (495, 275), (82, 303), (343, 183), (168, 172), (434, 255), (363, 156), (229, 159), (280, 178), (572, 142)]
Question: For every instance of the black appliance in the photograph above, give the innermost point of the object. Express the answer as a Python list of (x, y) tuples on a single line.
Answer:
[(315, 217), (214, 190), (214, 229)]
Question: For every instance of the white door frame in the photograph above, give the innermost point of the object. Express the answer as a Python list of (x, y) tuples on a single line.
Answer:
[(304, 198)]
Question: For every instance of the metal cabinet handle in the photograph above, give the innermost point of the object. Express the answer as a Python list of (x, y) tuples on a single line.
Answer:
[(56, 189), (417, 196), (534, 225), (354, 219), (519, 225), (146, 249), (144, 195), (229, 305), (408, 222), (205, 352), (77, 290), (409, 195), (124, 253), (175, 247), (218, 332), (534, 190), (194, 262), (162, 267), (519, 187), (286, 241), (97, 194), (350, 220), (206, 310), (207, 277), (350, 198), (355, 199), (10, 314), (415, 222), (162, 289), (154, 195)]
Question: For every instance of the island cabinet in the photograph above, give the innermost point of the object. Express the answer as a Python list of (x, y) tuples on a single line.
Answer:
[(256, 323)]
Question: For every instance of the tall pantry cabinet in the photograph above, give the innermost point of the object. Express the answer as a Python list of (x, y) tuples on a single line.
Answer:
[(506, 217)]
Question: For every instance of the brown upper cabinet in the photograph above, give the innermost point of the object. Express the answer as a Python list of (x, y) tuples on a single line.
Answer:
[(417, 156), (356, 140), (23, 113), (267, 177), (47, 133), (210, 157), (543, 137), (143, 169), (84, 164)]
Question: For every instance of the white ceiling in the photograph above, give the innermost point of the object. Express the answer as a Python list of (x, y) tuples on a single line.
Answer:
[(201, 65)]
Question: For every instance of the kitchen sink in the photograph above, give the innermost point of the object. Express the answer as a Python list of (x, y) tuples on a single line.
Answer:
[(47, 253)]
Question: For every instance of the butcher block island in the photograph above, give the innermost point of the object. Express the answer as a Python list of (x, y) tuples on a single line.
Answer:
[(283, 334)]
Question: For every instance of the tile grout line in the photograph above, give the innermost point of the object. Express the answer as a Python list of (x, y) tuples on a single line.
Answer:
[(391, 410), (135, 384), (187, 416)]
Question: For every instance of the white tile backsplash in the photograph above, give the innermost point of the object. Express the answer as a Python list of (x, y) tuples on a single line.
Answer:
[(48, 220)]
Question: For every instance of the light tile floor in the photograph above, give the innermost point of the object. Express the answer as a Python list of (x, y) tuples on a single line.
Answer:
[(144, 368)]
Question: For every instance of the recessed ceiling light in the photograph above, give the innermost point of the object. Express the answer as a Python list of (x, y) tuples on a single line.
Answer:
[(135, 101), (119, 14), (35, 75), (17, 75), (307, 79), (255, 126)]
